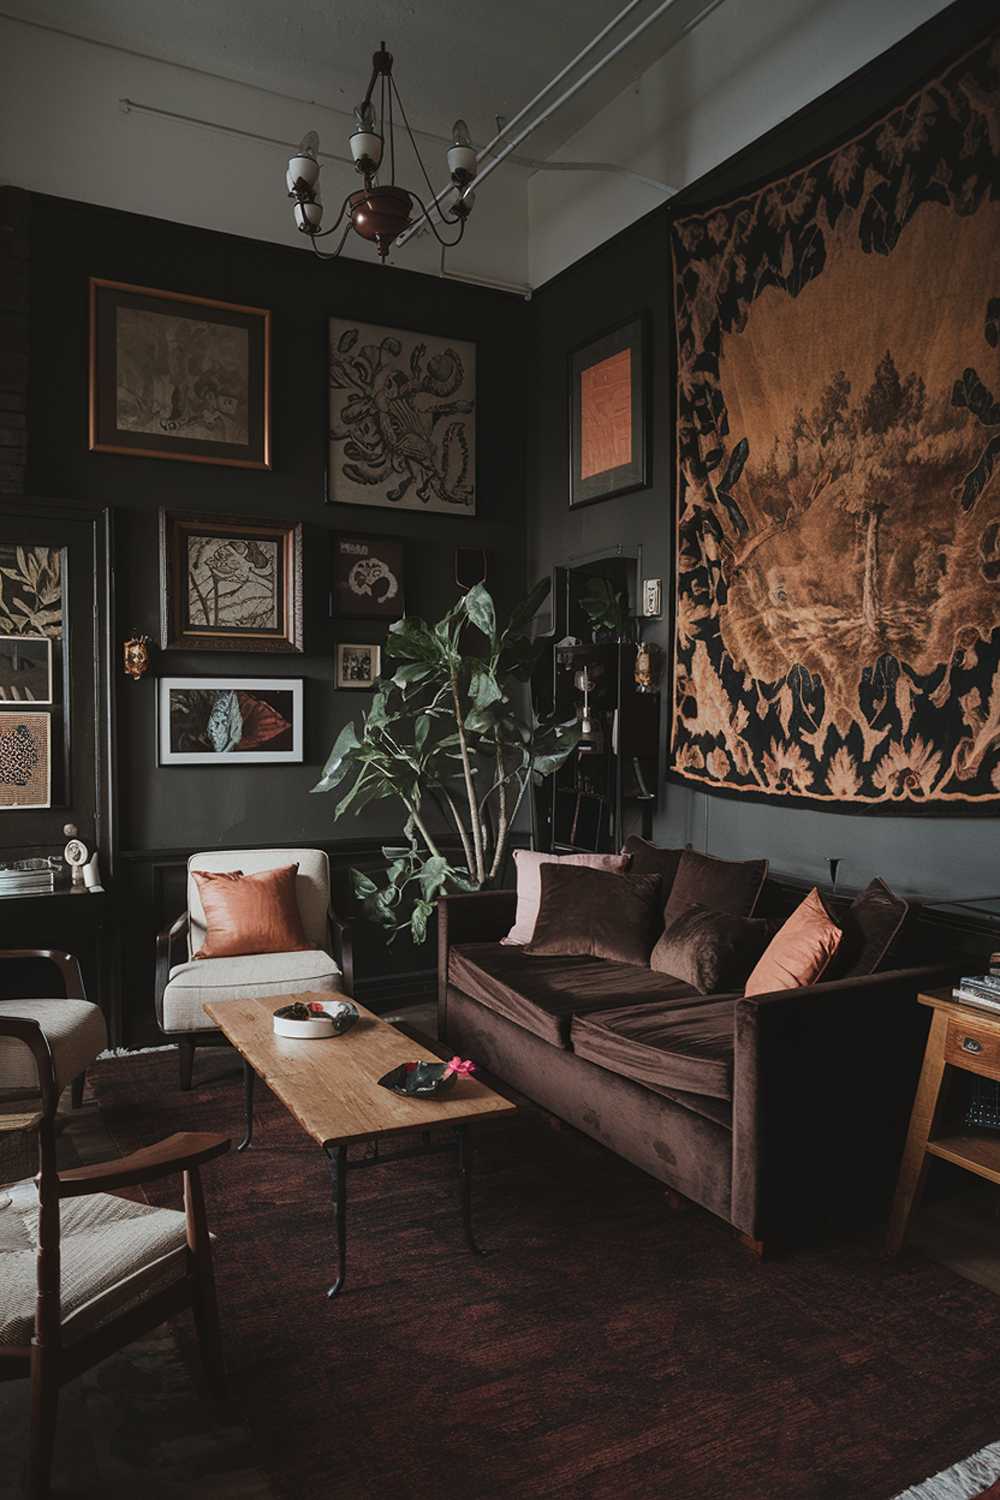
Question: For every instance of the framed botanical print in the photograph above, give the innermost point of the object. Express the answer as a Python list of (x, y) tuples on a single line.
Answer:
[(208, 721), (402, 419), (608, 449), (358, 666), (183, 377), (25, 760), (229, 585), (368, 578)]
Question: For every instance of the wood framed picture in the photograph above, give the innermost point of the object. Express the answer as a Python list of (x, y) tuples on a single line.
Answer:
[(229, 585), (402, 419), (608, 447), (25, 760), (173, 376), (25, 669), (368, 578), (208, 721), (358, 666)]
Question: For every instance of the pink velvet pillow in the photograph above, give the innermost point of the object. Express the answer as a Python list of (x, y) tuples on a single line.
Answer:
[(800, 950), (529, 884)]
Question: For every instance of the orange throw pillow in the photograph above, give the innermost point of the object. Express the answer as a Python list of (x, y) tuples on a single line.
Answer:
[(800, 950), (250, 913)]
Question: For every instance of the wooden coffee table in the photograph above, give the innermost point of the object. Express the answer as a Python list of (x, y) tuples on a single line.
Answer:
[(330, 1085)]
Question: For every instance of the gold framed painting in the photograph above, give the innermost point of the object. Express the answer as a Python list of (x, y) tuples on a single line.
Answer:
[(228, 584), (173, 376)]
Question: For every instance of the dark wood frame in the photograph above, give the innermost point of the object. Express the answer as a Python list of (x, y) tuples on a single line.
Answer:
[(101, 433), (370, 612), (46, 1361), (631, 335), (175, 634), (358, 687)]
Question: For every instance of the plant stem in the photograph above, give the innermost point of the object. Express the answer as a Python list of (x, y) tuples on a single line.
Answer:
[(422, 827), (466, 846), (503, 825), (470, 791)]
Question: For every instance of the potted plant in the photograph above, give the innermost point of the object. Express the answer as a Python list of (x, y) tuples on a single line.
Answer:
[(605, 608), (447, 736)]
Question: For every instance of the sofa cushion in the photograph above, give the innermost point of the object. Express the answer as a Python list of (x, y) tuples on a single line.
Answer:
[(710, 949), (649, 859), (727, 885), (255, 913), (871, 926), (528, 866), (598, 914), (259, 976), (677, 1045), (543, 994), (801, 950)]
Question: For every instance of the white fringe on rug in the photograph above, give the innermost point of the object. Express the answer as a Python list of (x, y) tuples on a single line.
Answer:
[(963, 1481), (132, 1051)]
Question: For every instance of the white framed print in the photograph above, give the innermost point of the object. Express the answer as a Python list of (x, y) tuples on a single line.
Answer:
[(208, 721), (358, 666)]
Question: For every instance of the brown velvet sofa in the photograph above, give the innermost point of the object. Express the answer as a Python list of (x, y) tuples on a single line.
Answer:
[(783, 1114)]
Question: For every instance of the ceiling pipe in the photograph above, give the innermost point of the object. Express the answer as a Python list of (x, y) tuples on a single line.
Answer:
[(557, 104)]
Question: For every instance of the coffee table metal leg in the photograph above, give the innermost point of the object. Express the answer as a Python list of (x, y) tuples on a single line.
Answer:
[(337, 1157), (248, 1082), (465, 1184)]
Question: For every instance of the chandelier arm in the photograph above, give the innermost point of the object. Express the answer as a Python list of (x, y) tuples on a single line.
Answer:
[(435, 197), (460, 219), (332, 254), (321, 234)]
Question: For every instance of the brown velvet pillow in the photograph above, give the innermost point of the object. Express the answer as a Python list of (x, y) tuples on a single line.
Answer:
[(724, 885), (871, 925), (648, 859), (711, 950), (598, 914), (250, 913)]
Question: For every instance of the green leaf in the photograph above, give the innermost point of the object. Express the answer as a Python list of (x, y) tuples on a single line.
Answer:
[(421, 730), (484, 688), (362, 884), (412, 672), (412, 639), (337, 762), (433, 875), (479, 608), (418, 921), (480, 720), (526, 611)]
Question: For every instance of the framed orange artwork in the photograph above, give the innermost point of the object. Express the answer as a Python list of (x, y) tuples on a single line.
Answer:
[(608, 449)]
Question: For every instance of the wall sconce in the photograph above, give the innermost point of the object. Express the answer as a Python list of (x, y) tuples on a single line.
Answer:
[(136, 657)]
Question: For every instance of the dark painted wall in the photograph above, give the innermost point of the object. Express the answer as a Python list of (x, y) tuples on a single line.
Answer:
[(627, 276), (204, 806)]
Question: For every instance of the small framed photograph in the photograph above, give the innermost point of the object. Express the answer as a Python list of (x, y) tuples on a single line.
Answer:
[(25, 669), (209, 721), (368, 578), (608, 447), (25, 760), (173, 376), (229, 585), (358, 666)]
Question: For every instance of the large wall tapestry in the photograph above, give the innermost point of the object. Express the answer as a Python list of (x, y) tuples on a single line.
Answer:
[(837, 631)]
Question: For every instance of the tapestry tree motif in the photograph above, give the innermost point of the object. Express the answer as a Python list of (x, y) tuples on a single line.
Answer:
[(837, 629)]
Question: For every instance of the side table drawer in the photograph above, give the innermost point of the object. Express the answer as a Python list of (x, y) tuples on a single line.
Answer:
[(975, 1048)]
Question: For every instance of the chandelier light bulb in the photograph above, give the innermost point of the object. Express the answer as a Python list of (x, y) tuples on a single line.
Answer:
[(366, 143), (461, 154), (302, 177)]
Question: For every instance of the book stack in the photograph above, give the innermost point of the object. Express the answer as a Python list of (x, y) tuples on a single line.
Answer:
[(27, 877), (981, 989)]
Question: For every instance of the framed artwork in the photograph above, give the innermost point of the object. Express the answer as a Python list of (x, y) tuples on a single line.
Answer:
[(173, 376), (206, 721), (608, 449), (25, 760), (229, 585), (402, 419), (358, 666), (25, 669), (368, 577)]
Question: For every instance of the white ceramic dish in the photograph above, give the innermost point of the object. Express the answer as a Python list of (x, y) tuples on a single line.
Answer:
[(339, 1016)]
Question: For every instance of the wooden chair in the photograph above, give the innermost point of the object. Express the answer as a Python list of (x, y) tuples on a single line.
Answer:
[(74, 1027), (70, 1297)]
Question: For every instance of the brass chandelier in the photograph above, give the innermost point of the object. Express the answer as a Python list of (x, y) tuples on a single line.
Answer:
[(380, 211)]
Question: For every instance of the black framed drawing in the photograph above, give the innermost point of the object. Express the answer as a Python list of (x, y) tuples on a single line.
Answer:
[(608, 445), (173, 376), (367, 581), (228, 584)]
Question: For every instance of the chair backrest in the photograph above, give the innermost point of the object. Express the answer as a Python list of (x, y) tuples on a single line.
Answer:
[(312, 885)]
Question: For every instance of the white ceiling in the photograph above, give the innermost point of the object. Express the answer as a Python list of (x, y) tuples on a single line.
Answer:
[(475, 58)]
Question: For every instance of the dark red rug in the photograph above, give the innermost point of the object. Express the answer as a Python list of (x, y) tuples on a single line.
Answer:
[(605, 1347)]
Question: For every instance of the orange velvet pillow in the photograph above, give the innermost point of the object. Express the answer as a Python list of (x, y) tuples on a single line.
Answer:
[(800, 950), (250, 913)]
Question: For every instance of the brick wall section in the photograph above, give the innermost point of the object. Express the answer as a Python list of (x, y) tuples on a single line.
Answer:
[(14, 212)]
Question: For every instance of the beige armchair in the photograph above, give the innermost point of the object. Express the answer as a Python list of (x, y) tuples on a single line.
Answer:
[(184, 983), (74, 1029), (78, 1279)]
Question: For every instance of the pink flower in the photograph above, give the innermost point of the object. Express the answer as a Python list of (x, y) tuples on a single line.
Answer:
[(459, 1068), (317, 1007)]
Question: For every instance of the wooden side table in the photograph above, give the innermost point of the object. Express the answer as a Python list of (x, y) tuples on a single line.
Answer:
[(965, 1037)]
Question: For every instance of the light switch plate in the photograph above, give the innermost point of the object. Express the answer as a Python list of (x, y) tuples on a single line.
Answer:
[(652, 596)]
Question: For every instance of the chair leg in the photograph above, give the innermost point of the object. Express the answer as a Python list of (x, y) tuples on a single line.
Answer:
[(204, 1303), (185, 1056), (76, 1089), (42, 1436)]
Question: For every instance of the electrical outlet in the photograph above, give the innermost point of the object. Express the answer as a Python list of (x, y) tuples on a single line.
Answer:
[(652, 596)]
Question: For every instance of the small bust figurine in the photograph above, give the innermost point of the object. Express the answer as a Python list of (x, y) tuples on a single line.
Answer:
[(136, 657)]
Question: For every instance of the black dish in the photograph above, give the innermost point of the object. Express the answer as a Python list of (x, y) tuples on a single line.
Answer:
[(418, 1080)]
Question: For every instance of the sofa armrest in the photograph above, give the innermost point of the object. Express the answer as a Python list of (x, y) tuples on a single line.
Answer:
[(165, 959), (823, 1082), (473, 917)]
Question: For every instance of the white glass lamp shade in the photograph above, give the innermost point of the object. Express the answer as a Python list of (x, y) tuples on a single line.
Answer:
[(308, 214), (302, 177), (366, 148), (462, 163)]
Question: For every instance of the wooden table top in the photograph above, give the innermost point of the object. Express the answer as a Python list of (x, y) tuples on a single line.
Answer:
[(960, 1009), (330, 1084)]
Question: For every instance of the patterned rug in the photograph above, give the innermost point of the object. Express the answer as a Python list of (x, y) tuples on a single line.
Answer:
[(605, 1346)]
